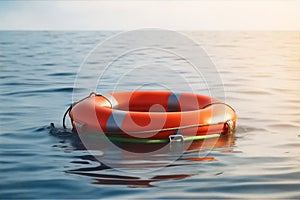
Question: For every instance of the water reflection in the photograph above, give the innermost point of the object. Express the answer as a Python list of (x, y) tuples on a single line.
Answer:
[(130, 181), (93, 163)]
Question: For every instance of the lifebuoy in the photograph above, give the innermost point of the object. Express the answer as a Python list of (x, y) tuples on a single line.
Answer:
[(153, 116)]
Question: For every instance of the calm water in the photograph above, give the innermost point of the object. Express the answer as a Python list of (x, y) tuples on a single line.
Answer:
[(261, 76)]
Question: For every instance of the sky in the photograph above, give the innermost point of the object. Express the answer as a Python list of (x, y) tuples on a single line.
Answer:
[(165, 14)]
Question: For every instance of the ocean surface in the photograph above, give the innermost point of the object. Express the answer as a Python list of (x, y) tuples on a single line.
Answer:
[(260, 73)]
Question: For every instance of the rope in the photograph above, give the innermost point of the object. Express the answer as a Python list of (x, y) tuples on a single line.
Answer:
[(69, 109), (218, 103), (168, 129), (158, 141), (64, 118)]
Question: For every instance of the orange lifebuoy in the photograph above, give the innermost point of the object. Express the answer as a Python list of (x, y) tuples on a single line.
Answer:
[(152, 115)]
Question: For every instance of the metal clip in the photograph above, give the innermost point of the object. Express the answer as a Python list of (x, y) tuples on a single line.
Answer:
[(176, 138), (230, 126)]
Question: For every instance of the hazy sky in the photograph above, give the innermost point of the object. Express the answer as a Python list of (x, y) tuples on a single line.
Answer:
[(174, 15)]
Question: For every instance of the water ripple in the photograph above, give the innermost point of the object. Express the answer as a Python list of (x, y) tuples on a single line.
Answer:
[(260, 71)]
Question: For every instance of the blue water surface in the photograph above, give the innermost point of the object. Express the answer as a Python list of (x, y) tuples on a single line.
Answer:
[(261, 76)]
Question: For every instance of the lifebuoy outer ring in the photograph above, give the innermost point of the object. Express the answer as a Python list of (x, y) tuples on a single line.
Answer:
[(152, 115)]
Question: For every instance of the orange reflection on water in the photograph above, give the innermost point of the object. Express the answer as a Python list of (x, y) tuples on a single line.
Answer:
[(189, 152)]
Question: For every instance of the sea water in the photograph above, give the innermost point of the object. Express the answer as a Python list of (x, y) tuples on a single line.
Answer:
[(260, 72)]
